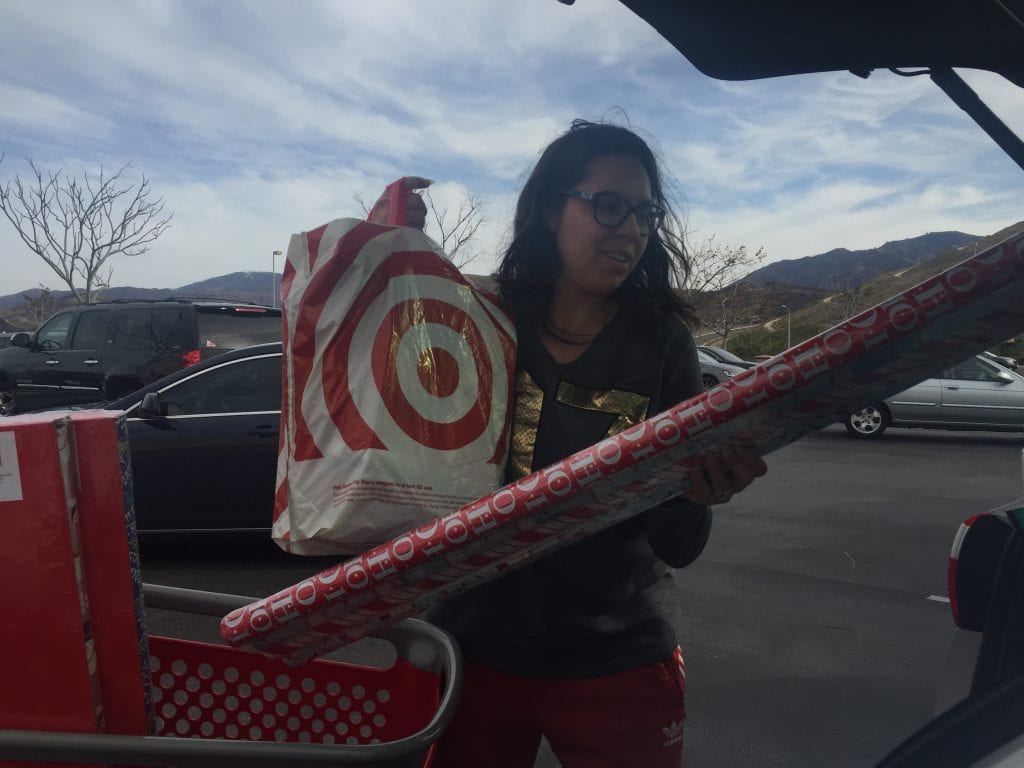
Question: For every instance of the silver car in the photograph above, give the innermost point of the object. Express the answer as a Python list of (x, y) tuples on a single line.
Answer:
[(1006, 362), (725, 356), (714, 372), (975, 394)]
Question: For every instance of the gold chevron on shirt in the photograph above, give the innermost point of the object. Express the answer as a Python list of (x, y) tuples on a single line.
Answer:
[(630, 407), (529, 398)]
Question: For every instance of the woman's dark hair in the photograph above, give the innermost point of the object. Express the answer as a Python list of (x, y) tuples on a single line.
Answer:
[(531, 263)]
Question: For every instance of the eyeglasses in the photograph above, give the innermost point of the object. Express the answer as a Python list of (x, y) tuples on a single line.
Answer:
[(611, 209)]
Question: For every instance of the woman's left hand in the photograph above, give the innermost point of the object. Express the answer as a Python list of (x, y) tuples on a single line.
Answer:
[(721, 475), (415, 208)]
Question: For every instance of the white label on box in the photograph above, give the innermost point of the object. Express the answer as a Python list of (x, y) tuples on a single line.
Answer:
[(10, 475)]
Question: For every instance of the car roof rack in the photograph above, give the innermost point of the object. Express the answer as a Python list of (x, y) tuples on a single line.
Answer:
[(181, 300), (215, 300)]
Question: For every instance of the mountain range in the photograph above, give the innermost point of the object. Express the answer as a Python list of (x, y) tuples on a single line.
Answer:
[(237, 286), (841, 269), (803, 316), (793, 282)]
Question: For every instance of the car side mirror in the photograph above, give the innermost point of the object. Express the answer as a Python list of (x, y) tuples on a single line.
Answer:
[(22, 340), (151, 408), (1004, 377)]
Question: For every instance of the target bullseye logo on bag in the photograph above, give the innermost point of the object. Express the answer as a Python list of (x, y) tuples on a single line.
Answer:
[(423, 367), (398, 374)]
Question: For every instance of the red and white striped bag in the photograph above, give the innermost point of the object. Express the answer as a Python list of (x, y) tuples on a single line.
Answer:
[(397, 386)]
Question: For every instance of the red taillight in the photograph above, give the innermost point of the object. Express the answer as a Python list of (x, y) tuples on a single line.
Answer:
[(190, 358)]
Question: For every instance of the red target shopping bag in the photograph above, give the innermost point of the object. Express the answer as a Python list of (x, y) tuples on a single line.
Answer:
[(397, 387)]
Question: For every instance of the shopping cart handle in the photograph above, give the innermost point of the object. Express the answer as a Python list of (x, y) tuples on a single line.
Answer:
[(192, 600), (91, 748)]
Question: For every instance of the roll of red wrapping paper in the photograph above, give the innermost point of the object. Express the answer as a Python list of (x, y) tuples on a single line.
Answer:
[(873, 355)]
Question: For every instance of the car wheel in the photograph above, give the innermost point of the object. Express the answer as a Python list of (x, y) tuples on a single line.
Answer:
[(709, 380), (6, 402), (868, 422)]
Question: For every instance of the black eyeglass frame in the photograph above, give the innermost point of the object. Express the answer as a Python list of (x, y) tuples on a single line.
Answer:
[(653, 214)]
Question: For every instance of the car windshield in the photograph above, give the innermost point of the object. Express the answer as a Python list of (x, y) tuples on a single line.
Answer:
[(727, 356)]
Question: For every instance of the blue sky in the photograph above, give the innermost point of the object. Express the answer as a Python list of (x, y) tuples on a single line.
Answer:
[(254, 120)]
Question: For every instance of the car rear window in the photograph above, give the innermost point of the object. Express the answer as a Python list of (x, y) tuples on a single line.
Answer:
[(233, 327)]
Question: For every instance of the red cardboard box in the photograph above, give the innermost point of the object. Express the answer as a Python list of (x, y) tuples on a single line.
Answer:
[(48, 674), (112, 569), (73, 654)]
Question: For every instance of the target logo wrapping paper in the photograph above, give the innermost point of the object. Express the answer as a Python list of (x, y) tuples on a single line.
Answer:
[(397, 383), (874, 354)]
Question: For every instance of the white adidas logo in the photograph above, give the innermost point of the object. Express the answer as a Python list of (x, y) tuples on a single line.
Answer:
[(673, 733)]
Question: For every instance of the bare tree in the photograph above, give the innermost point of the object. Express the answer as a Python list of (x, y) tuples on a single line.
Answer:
[(843, 305), (460, 228), (77, 226), (715, 287), (454, 229), (38, 308)]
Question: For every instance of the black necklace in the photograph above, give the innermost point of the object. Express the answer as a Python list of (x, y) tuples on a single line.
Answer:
[(581, 340)]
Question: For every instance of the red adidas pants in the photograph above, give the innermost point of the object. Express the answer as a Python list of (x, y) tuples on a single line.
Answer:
[(633, 718)]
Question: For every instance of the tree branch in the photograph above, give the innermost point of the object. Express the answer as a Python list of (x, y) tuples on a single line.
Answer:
[(76, 227)]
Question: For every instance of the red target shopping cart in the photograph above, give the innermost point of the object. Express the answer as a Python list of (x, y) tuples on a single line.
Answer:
[(217, 706), (82, 683)]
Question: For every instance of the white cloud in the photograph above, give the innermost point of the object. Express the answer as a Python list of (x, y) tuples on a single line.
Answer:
[(255, 120), (33, 108)]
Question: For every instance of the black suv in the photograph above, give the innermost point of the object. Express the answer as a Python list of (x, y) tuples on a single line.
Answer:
[(104, 351)]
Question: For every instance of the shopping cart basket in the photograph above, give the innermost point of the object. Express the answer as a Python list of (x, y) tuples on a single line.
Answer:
[(217, 706)]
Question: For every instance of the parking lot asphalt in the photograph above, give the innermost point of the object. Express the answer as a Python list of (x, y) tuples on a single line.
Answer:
[(816, 633), (814, 627)]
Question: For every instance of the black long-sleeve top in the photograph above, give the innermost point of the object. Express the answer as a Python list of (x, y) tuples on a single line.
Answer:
[(605, 604)]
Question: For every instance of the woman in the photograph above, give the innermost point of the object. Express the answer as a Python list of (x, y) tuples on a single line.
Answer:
[(579, 647)]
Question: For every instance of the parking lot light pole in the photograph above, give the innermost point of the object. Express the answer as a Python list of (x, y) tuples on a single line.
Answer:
[(273, 278), (725, 322)]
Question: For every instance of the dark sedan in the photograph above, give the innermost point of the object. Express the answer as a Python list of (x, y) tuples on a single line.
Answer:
[(204, 444)]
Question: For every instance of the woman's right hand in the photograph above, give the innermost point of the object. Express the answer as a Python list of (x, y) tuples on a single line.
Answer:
[(723, 473), (415, 208)]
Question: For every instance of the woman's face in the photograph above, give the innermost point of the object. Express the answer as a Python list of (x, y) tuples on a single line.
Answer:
[(597, 259)]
